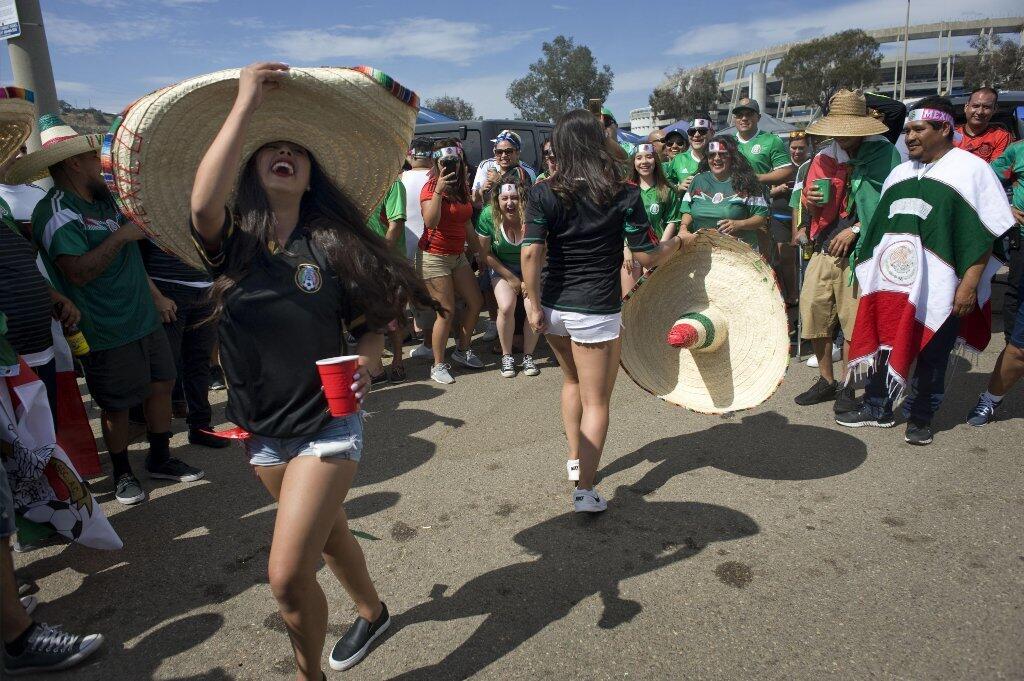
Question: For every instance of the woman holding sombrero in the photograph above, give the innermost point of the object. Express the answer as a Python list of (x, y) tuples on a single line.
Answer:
[(295, 264), (577, 221)]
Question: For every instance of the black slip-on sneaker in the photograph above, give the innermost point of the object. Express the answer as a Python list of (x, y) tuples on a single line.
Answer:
[(356, 642)]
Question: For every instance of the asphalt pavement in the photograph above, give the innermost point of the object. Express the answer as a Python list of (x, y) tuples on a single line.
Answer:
[(770, 544)]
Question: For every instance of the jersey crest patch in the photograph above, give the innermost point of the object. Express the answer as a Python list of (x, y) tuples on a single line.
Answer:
[(308, 278), (756, 149)]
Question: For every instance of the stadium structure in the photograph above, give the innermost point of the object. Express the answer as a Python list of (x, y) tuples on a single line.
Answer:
[(934, 65)]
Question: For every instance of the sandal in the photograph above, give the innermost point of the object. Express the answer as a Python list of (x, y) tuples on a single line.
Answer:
[(398, 374)]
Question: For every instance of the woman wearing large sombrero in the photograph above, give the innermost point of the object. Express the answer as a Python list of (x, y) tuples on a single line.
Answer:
[(298, 158)]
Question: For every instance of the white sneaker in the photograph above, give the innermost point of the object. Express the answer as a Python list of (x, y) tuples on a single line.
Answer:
[(529, 366), (441, 373), (588, 501), (837, 354), (490, 331), (508, 366), (467, 358), (573, 468), (421, 351)]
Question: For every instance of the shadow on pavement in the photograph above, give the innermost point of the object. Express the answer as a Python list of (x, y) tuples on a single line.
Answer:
[(764, 445), (632, 538)]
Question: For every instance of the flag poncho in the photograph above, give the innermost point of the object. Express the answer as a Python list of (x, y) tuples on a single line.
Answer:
[(933, 221)]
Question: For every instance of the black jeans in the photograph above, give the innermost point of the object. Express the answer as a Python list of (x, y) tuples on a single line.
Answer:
[(191, 344), (928, 383), (1011, 299)]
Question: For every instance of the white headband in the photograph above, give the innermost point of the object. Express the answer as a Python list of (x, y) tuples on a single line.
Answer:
[(701, 123), (717, 147), (930, 115), (509, 189), (447, 151), (645, 148)]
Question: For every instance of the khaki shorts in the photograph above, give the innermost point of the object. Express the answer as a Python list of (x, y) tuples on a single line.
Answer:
[(431, 265), (826, 297)]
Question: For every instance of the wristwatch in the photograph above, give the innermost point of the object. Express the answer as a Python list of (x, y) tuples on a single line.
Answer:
[(855, 229)]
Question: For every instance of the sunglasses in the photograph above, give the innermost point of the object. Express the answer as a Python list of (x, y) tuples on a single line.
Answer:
[(718, 154), (697, 131), (674, 143), (549, 154), (798, 135), (504, 152)]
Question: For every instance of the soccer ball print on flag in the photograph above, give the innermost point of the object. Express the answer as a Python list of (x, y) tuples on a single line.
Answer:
[(47, 489)]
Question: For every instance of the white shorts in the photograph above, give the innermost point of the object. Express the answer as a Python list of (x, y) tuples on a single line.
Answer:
[(582, 327)]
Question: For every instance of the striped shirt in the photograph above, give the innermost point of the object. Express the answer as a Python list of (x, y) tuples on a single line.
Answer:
[(24, 295)]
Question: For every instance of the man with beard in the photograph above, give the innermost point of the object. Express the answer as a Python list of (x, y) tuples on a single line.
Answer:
[(92, 256)]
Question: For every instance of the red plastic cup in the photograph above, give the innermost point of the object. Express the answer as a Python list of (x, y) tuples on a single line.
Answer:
[(336, 376)]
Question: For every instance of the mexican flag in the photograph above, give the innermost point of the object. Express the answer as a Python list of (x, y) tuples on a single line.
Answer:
[(933, 221), (857, 180), (47, 489)]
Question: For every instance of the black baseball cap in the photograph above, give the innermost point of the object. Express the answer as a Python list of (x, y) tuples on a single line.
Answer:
[(749, 104)]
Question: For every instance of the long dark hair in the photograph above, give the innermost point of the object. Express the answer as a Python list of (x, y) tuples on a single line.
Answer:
[(377, 282), (586, 169), (459, 191), (660, 182), (744, 179)]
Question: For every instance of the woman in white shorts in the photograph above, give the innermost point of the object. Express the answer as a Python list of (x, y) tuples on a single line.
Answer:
[(575, 225)]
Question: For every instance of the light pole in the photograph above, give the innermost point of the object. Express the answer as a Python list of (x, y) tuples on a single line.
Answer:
[(30, 61), (906, 43)]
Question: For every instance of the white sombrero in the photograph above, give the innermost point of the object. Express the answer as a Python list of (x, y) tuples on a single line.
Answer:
[(357, 123), (60, 142), (17, 116), (707, 330)]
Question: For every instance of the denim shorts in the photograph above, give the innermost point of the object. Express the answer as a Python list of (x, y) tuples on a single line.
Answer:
[(341, 438)]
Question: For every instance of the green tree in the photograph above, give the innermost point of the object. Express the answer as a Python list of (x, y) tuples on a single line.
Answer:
[(814, 70), (452, 106), (686, 94), (565, 78), (999, 63)]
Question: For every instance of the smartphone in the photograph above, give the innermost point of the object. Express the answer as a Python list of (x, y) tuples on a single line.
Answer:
[(449, 164), (594, 106)]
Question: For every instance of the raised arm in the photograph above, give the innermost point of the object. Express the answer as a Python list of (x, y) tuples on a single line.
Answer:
[(215, 177)]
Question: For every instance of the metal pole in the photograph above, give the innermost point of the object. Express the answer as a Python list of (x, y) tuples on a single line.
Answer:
[(30, 61), (906, 44)]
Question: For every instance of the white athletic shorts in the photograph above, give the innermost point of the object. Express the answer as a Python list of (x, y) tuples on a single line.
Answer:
[(582, 327)]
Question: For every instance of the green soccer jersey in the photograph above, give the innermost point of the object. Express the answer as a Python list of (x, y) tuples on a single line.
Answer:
[(117, 306), (683, 165), (504, 250), (1010, 166), (392, 208), (660, 213), (765, 151), (710, 200)]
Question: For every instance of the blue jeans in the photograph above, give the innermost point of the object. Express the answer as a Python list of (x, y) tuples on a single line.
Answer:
[(342, 438), (928, 384)]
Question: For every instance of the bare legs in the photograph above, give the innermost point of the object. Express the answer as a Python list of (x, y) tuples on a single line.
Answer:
[(311, 522), (506, 299), (443, 290), (589, 371), (12, 614), (1009, 369)]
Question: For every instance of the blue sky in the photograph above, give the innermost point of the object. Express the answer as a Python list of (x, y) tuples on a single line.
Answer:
[(110, 52)]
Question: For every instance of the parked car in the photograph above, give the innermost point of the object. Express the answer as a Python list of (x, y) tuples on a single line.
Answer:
[(476, 137)]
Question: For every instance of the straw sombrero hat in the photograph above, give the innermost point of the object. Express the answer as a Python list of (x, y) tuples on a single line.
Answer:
[(17, 116), (707, 330), (847, 117), (60, 141), (357, 123)]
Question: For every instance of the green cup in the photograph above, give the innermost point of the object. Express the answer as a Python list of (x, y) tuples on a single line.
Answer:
[(824, 186)]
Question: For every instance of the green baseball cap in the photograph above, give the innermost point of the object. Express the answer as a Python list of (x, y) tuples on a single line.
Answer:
[(605, 111)]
